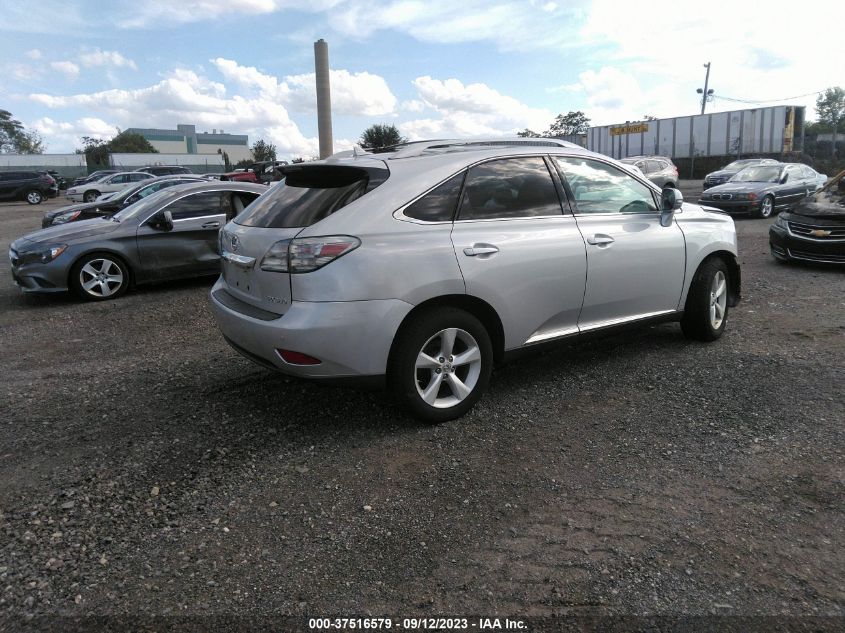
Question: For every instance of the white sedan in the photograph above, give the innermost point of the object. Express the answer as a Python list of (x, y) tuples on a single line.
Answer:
[(115, 182)]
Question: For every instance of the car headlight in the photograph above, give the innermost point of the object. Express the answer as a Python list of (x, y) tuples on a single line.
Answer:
[(782, 223), (43, 255), (66, 217), (52, 252), (69, 191)]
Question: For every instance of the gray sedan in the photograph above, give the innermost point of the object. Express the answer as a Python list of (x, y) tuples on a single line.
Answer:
[(171, 234)]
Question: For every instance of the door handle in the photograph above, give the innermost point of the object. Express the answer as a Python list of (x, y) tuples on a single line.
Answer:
[(211, 225), (600, 240), (479, 249)]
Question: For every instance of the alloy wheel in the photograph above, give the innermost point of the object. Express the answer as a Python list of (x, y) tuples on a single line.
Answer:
[(101, 278), (718, 299), (33, 197), (447, 368), (766, 207)]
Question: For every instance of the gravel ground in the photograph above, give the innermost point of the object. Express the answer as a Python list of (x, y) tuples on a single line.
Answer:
[(148, 471)]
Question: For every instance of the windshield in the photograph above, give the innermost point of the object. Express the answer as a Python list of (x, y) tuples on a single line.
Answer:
[(760, 173), (142, 206)]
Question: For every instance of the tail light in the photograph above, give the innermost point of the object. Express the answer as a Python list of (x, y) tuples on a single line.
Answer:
[(302, 255)]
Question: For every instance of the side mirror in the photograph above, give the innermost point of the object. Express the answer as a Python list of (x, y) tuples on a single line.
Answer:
[(784, 179), (671, 201), (163, 221)]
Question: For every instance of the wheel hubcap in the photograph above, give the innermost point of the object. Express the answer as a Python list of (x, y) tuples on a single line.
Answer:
[(101, 277), (447, 368), (34, 197), (767, 207), (718, 299)]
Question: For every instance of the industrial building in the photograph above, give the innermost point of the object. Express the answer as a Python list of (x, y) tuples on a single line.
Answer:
[(185, 140)]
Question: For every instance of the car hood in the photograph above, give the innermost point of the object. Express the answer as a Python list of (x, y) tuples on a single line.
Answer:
[(822, 206), (722, 173), (72, 231), (740, 187), (71, 207)]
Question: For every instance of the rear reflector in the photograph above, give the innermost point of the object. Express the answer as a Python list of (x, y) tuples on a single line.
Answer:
[(297, 358)]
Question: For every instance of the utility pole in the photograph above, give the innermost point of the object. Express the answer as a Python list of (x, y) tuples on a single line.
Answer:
[(324, 98), (705, 93)]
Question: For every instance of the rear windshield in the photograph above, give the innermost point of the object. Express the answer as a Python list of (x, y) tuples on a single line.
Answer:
[(309, 194)]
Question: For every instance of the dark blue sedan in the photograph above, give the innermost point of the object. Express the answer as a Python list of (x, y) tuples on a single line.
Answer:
[(763, 190)]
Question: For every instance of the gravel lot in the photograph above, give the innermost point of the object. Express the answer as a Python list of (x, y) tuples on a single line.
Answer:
[(148, 470)]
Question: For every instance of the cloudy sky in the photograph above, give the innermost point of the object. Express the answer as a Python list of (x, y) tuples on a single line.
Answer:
[(435, 69)]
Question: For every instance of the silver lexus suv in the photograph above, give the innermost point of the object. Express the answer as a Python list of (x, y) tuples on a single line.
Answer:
[(431, 262)]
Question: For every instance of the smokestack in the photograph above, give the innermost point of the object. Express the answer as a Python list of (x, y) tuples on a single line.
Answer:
[(324, 98)]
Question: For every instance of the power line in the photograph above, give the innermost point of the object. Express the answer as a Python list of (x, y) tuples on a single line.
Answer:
[(767, 100)]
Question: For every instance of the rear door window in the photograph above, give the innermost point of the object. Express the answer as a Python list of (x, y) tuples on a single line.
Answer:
[(309, 194), (439, 204), (509, 188)]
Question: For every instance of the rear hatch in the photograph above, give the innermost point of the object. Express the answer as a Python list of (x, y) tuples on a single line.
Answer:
[(308, 194)]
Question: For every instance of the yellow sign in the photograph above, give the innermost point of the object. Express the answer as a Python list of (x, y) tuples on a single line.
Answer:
[(636, 128)]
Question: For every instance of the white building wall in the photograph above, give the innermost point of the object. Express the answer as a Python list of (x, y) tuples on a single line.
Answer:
[(235, 152), (170, 147)]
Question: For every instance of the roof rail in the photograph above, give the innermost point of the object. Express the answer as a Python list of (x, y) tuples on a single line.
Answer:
[(418, 148)]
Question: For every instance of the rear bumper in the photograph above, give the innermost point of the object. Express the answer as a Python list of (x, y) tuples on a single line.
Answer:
[(788, 247), (350, 338)]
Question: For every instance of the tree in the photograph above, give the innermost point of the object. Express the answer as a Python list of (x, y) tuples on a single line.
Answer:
[(379, 136), (567, 124), (14, 138), (130, 143), (526, 133), (263, 151), (97, 150), (831, 108)]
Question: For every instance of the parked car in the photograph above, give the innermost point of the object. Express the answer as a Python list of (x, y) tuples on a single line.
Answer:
[(431, 262), (762, 190), (109, 204), (32, 186), (61, 181), (815, 230), (165, 170), (658, 169), (97, 175), (240, 175), (170, 234), (724, 174), (90, 191)]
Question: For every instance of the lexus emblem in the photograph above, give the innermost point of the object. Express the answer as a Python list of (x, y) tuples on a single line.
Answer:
[(235, 243)]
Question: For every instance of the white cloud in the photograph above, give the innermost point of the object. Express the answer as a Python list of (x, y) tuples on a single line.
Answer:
[(98, 57), (470, 110), (20, 72), (749, 58), (158, 13), (33, 54), (185, 96), (68, 135), (67, 68), (354, 94)]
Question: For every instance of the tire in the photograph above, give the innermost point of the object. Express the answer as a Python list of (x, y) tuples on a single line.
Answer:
[(426, 386), (34, 197), (767, 207), (706, 303), (99, 277), (90, 196)]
